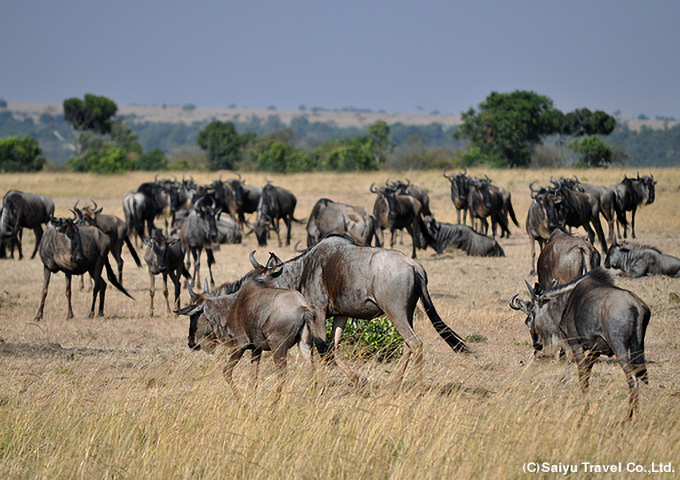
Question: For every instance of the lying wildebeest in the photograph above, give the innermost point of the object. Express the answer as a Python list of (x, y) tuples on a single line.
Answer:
[(641, 260), (228, 231), (199, 231), (565, 258), (595, 318), (165, 256), (342, 279), (403, 211), (631, 193), (76, 250), (442, 235), (252, 314), (331, 217), (114, 227), (24, 210), (541, 221), (460, 190), (276, 203)]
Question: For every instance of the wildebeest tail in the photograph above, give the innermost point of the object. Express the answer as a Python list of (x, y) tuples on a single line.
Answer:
[(620, 213), (444, 331), (511, 211), (211, 256), (637, 347), (133, 252), (112, 278)]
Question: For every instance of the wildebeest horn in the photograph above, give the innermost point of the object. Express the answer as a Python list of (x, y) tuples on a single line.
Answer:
[(372, 188), (296, 247), (576, 178), (155, 178), (192, 294), (254, 262), (94, 203), (513, 303), (464, 171), (206, 289), (446, 176), (531, 290)]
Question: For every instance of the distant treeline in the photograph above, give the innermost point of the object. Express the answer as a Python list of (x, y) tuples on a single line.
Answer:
[(415, 146)]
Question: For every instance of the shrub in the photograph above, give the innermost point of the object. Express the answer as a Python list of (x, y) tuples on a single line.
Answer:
[(372, 338), (108, 159), (20, 155)]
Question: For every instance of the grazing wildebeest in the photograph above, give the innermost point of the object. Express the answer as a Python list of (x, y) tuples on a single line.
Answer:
[(24, 210), (541, 221), (276, 203), (416, 192), (165, 256), (331, 217), (403, 211), (440, 236), (631, 193), (576, 209), (114, 227), (595, 318), (247, 198), (486, 200), (565, 258), (76, 250), (641, 260), (460, 191), (199, 231), (228, 231), (342, 279), (143, 205), (252, 314)]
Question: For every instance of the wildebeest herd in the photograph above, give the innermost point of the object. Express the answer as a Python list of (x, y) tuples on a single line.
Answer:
[(346, 273)]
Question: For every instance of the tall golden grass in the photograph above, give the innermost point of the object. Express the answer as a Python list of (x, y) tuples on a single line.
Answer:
[(123, 397)]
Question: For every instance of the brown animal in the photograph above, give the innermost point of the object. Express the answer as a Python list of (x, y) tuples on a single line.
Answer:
[(165, 256), (565, 258)]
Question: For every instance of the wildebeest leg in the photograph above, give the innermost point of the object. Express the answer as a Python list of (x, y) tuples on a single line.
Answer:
[(585, 366), (289, 223), (196, 253), (152, 291), (211, 260), (18, 237), (165, 291), (38, 236), (403, 322), (175, 277), (228, 370), (117, 251), (255, 359), (46, 283), (99, 288), (533, 255), (68, 296), (339, 323), (632, 222), (392, 233)]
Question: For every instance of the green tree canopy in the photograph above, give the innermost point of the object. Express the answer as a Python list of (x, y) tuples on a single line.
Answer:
[(222, 144), (92, 114), (595, 152), (20, 155)]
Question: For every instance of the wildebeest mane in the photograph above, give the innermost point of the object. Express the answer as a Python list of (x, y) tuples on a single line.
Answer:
[(636, 248)]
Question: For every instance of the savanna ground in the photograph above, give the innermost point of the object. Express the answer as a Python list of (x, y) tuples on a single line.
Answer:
[(123, 396)]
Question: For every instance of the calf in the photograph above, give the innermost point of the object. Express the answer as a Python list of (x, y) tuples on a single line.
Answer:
[(165, 256), (595, 318), (640, 260)]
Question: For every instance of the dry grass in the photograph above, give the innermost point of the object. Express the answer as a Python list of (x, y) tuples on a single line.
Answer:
[(123, 397)]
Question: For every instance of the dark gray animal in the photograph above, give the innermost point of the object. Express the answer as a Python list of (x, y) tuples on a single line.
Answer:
[(228, 231), (565, 258), (541, 221), (247, 198), (331, 217), (606, 200), (641, 260), (595, 318), (632, 193), (276, 203), (24, 210), (198, 232), (165, 256), (414, 191), (486, 200), (342, 279), (66, 247), (460, 191), (440, 236), (252, 314), (114, 227), (404, 211), (142, 206)]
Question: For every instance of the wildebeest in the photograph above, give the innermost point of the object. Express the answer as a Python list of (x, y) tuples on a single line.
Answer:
[(199, 231), (631, 193), (76, 250), (252, 314), (403, 211), (440, 235), (24, 210), (276, 203), (220, 194), (541, 221), (342, 279), (247, 198), (606, 200), (143, 205), (414, 191), (641, 260), (487, 200), (114, 227), (564, 258), (460, 190), (576, 209), (228, 231), (331, 217), (165, 256), (595, 318)]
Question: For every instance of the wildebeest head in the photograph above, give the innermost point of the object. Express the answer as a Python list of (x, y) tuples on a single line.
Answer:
[(649, 184), (616, 253), (10, 218), (160, 247), (209, 214), (541, 315), (200, 326), (67, 227)]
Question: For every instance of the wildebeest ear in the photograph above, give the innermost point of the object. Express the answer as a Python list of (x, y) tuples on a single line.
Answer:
[(273, 261), (192, 294), (531, 290), (277, 273)]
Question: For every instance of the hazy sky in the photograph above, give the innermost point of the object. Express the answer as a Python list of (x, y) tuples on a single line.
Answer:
[(396, 56)]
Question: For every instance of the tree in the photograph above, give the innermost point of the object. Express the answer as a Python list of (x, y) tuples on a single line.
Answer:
[(222, 144), (20, 155), (595, 152), (92, 114), (508, 126)]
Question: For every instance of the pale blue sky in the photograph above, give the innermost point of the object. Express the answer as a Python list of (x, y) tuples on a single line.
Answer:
[(395, 56)]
